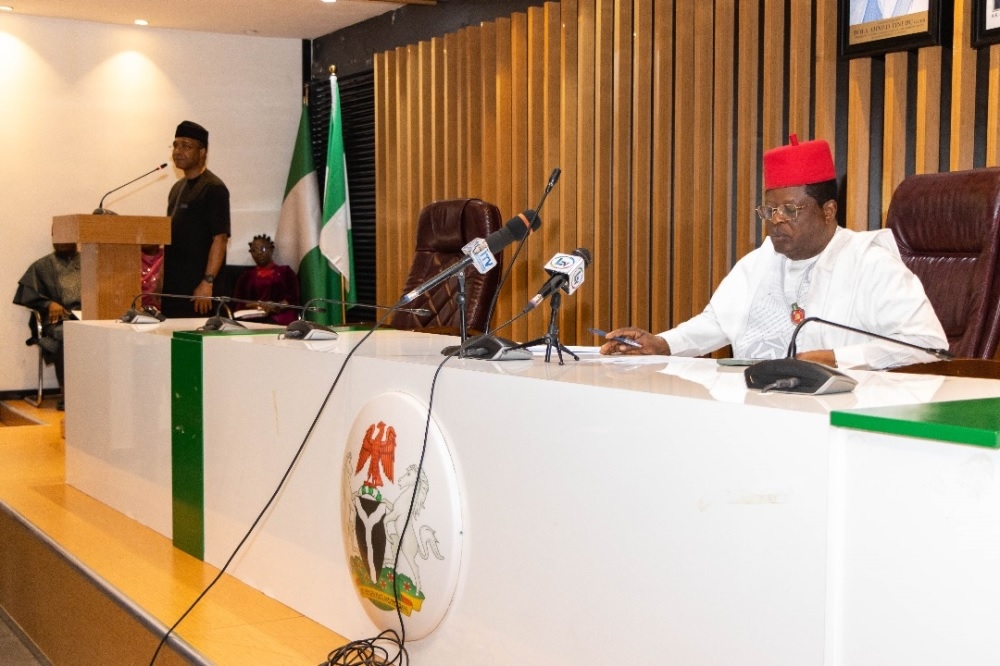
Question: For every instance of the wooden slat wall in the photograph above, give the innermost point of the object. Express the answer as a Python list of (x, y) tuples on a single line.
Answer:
[(657, 113), (993, 109)]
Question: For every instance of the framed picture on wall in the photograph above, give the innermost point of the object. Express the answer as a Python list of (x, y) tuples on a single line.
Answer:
[(874, 27), (985, 22)]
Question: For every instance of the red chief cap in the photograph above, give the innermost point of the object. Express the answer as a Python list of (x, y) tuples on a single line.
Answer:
[(798, 164)]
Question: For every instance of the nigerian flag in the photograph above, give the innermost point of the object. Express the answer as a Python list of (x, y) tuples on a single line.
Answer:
[(297, 238), (306, 238), (335, 232)]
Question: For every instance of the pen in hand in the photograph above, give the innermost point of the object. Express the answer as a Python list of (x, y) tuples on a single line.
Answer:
[(625, 341)]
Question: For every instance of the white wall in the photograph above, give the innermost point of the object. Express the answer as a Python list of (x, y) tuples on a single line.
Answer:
[(85, 107)]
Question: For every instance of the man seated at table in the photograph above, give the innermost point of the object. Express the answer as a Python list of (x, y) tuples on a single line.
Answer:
[(51, 287), (808, 266)]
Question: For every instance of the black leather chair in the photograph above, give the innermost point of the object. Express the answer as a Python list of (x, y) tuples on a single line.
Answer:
[(947, 227), (443, 228)]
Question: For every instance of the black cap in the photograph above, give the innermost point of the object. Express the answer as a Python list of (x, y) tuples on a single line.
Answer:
[(190, 130)]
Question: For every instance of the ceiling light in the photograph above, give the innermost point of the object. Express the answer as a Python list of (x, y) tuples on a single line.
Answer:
[(6, 8), (141, 22), (329, 0)]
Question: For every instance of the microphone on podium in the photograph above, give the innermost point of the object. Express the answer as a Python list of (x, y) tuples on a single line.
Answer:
[(101, 210), (793, 375)]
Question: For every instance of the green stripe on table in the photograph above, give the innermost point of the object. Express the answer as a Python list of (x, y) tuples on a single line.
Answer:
[(187, 442), (974, 422)]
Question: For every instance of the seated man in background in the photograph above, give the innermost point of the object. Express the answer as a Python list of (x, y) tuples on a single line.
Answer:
[(51, 287), (267, 281), (808, 266)]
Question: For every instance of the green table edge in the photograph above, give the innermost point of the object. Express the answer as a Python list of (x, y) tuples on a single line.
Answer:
[(971, 422)]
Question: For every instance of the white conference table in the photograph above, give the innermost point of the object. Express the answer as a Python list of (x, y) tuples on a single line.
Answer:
[(609, 511)]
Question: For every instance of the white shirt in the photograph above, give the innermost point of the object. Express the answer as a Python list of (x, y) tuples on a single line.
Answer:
[(858, 280)]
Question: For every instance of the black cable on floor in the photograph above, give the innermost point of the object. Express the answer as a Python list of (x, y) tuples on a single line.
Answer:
[(376, 651), (274, 495)]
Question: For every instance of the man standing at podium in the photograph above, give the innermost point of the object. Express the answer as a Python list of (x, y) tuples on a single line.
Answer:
[(808, 266), (198, 206)]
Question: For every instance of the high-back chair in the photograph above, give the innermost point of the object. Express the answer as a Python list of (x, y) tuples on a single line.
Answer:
[(443, 228), (947, 227)]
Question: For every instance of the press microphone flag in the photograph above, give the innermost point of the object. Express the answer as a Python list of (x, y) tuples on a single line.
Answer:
[(793, 375), (515, 229), (100, 210), (567, 271), (479, 251)]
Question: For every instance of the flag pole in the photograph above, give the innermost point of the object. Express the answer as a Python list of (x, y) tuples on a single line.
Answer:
[(343, 294)]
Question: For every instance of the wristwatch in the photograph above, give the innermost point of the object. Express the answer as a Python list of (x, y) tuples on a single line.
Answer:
[(209, 279)]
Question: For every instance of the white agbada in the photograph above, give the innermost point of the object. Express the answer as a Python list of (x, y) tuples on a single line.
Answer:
[(858, 280)]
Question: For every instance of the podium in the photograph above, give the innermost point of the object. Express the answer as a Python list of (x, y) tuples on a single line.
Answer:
[(110, 261)]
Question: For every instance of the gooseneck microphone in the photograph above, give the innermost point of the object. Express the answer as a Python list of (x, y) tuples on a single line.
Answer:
[(566, 271), (303, 329), (793, 375), (515, 229), (553, 179), (147, 314), (942, 354), (101, 210), (420, 312)]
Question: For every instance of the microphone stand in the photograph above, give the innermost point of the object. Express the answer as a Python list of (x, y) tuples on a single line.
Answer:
[(488, 344), (794, 375), (420, 312), (941, 354), (551, 338), (460, 303)]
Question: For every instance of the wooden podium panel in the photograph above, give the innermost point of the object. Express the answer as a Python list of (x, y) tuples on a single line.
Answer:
[(110, 261)]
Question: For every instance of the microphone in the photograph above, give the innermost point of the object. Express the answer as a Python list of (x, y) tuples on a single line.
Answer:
[(420, 312), (220, 323), (301, 329), (792, 375), (941, 354), (553, 179), (148, 314), (101, 210), (552, 183), (232, 323), (567, 274), (515, 229)]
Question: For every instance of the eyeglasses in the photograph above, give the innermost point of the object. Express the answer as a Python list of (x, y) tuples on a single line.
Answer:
[(786, 211), (185, 146)]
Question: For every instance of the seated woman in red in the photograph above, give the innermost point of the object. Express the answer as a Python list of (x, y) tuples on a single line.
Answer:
[(268, 282)]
